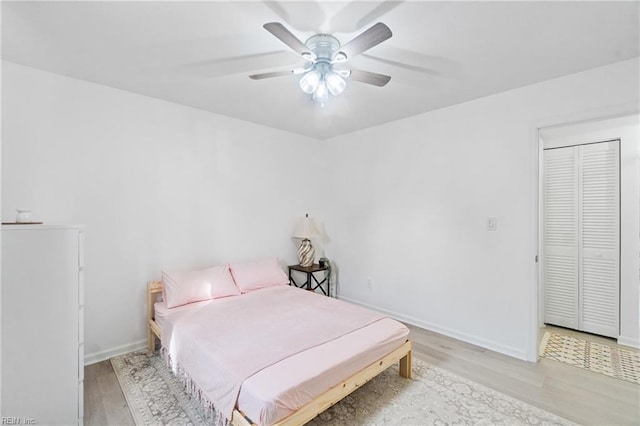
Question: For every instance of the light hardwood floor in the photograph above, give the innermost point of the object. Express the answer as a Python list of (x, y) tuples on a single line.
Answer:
[(578, 395)]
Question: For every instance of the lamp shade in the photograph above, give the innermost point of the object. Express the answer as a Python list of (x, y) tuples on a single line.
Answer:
[(306, 228)]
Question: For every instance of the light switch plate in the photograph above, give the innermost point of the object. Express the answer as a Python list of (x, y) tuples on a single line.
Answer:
[(492, 223)]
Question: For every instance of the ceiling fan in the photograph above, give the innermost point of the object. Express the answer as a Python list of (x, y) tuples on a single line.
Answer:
[(325, 71)]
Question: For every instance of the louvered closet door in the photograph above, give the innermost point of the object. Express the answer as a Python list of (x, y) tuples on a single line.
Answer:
[(599, 238), (560, 228)]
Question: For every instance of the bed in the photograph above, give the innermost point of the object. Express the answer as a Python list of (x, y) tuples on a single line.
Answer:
[(295, 389)]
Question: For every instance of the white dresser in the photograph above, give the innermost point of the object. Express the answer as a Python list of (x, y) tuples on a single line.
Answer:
[(42, 323)]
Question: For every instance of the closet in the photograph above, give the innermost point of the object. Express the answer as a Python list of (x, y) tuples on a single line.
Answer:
[(581, 234)]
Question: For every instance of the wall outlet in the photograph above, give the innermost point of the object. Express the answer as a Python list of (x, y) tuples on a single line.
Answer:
[(492, 223), (369, 283)]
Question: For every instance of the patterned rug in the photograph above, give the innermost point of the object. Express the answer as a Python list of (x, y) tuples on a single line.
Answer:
[(613, 361), (433, 397)]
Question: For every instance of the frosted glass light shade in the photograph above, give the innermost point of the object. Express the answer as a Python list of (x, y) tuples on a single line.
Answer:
[(309, 82), (335, 83), (321, 79), (321, 94)]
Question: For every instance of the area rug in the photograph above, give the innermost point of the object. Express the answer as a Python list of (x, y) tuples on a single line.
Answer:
[(433, 397), (613, 361)]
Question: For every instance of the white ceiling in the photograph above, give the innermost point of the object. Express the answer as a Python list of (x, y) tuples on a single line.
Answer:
[(201, 53)]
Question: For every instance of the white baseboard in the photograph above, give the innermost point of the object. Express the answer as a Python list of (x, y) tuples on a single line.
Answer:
[(118, 350), (474, 340), (627, 341)]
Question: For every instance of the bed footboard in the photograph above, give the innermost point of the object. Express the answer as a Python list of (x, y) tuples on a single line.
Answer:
[(342, 389)]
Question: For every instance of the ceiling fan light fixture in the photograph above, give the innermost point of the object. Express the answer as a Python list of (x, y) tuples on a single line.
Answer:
[(335, 83), (300, 70), (343, 73), (310, 81), (340, 57), (321, 94), (309, 56)]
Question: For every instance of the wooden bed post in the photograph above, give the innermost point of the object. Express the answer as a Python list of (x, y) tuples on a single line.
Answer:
[(405, 366), (151, 341), (153, 331)]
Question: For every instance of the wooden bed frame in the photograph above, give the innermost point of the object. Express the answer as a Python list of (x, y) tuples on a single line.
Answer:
[(315, 406)]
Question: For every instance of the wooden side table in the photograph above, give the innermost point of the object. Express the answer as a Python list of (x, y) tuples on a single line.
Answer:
[(311, 283)]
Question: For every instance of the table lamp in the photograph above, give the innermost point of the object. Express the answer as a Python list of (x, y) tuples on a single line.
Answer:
[(306, 229)]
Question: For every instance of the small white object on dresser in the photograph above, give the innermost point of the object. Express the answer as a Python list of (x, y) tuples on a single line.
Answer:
[(42, 323)]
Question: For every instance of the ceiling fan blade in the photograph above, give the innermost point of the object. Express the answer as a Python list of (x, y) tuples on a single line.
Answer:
[(243, 64), (357, 15), (285, 36), (299, 15), (410, 67), (381, 9), (365, 41), (269, 75), (369, 77)]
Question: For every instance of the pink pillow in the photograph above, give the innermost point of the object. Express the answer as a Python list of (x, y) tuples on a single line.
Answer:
[(261, 274), (180, 288)]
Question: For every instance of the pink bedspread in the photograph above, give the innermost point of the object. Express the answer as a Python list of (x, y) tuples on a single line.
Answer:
[(226, 341)]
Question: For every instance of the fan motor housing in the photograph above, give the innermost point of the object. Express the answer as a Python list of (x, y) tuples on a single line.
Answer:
[(325, 46)]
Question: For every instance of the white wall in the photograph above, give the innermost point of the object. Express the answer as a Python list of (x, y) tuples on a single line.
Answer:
[(0, 232), (627, 130), (410, 201), (157, 185)]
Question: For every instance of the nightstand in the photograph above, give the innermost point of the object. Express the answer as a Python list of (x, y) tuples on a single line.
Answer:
[(311, 283)]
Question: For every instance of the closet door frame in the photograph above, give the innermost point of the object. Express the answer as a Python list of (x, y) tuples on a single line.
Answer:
[(616, 121)]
